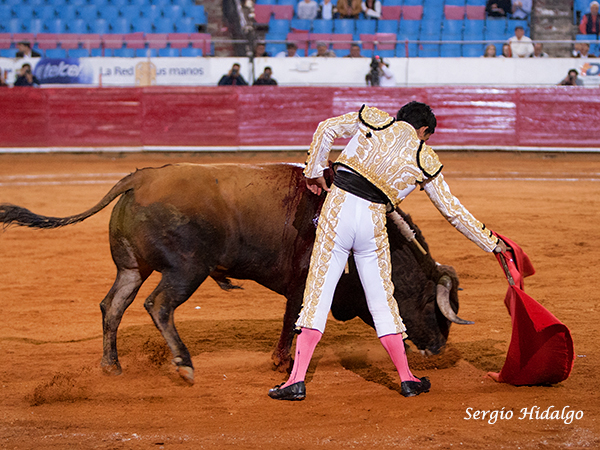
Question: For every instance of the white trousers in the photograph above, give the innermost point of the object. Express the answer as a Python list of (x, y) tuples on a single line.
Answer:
[(346, 223)]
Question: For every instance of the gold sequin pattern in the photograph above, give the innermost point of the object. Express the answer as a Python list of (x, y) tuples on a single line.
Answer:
[(321, 255), (375, 117), (384, 262)]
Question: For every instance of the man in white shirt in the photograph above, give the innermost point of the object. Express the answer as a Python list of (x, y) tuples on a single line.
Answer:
[(520, 45), (307, 9), (327, 10)]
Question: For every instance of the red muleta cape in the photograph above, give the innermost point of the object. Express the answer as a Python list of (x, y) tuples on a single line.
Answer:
[(541, 348)]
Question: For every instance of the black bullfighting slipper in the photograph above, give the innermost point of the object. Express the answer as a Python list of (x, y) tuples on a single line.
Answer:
[(293, 392), (413, 388)]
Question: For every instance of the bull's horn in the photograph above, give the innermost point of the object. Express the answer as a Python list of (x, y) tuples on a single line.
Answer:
[(443, 300)]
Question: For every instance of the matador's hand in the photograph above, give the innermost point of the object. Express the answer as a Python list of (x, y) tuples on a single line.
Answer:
[(317, 185), (501, 247)]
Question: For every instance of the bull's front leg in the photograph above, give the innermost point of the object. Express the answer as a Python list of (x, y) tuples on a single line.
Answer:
[(282, 357)]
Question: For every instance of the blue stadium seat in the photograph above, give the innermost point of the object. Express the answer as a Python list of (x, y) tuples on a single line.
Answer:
[(322, 26), (455, 2), (14, 26), (5, 13), (183, 3), (123, 52), (35, 26), (476, 2), (394, 2), (120, 25), (142, 24), (99, 26), (450, 50), (160, 3), (433, 10), (430, 30), (279, 26), (452, 29), (287, 2), (343, 26), (55, 53), (65, 12), (413, 2), (78, 26), (365, 26), (78, 3), (140, 3), (163, 25), (55, 26), (300, 24), (495, 29), (36, 3), (109, 13), (273, 49), (143, 52), (387, 26), (118, 3), (188, 51), (473, 50), (185, 25), (44, 12), (197, 13), (8, 52), (173, 12), (474, 30), (130, 12), (88, 13), (151, 12), (429, 50), (78, 53), (168, 52), (23, 12), (266, 2)]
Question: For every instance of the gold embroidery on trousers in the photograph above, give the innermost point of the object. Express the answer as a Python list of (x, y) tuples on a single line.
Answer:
[(384, 263), (321, 255)]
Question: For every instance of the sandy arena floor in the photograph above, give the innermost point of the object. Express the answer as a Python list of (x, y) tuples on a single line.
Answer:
[(53, 394)]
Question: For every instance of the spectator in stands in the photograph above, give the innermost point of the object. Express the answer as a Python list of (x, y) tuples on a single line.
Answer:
[(354, 51), (490, 51), (521, 9), (233, 78), (582, 50), (498, 8), (538, 51), (327, 10), (371, 9), (260, 50), (572, 79), (291, 51), (323, 51), (25, 77), (590, 23), (506, 51), (265, 79), (349, 9), (521, 46), (25, 51), (307, 9)]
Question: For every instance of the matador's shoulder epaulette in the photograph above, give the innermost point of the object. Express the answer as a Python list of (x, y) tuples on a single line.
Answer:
[(374, 118), (428, 161)]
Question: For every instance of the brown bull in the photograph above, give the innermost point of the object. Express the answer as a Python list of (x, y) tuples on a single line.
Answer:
[(190, 222)]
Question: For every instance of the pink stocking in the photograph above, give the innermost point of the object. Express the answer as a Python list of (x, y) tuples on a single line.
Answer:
[(394, 345), (306, 343)]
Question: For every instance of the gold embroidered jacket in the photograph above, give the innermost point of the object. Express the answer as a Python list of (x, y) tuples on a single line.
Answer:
[(390, 155)]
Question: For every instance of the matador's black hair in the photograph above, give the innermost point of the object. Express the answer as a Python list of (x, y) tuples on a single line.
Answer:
[(418, 115)]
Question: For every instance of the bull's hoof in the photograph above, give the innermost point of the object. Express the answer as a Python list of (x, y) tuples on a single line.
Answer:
[(187, 373), (112, 369), (283, 365)]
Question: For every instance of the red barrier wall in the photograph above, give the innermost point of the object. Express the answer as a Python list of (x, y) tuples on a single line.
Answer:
[(287, 116)]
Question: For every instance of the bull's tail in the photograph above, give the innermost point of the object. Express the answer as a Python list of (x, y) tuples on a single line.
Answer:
[(16, 215)]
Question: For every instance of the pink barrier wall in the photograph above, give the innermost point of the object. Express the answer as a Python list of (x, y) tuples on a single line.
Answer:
[(287, 116)]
